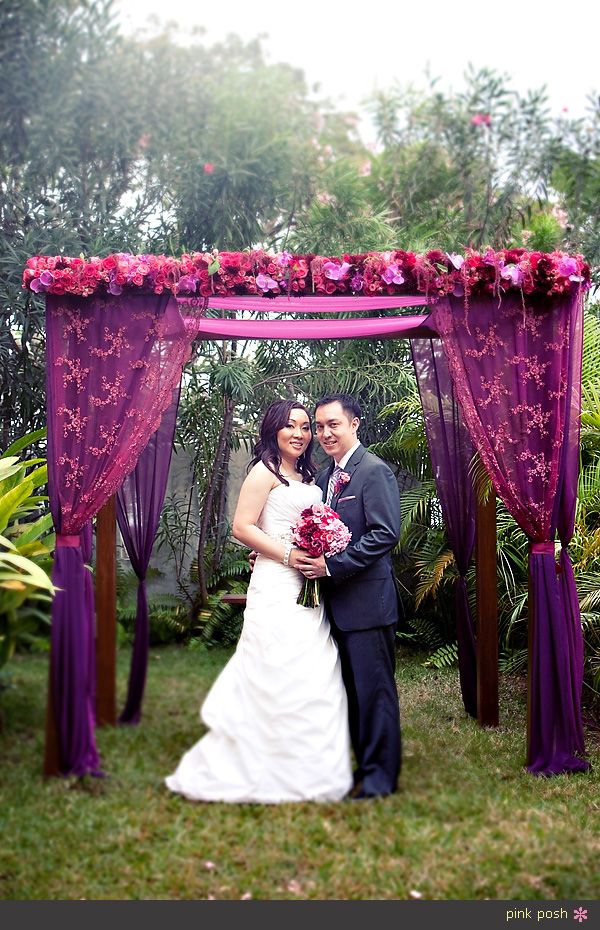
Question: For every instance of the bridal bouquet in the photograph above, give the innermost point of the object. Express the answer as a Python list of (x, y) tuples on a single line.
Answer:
[(319, 531)]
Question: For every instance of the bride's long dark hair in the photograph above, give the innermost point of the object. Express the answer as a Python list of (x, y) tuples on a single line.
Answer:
[(266, 450)]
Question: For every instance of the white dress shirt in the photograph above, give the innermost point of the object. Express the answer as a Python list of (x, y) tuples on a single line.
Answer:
[(346, 458), (342, 464)]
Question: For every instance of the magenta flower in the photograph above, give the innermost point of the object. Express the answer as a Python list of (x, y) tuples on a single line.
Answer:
[(357, 282), (208, 167), (567, 268), (284, 259), (265, 283), (343, 478), (481, 119), (392, 274), (115, 289), (336, 272), (456, 259), (186, 283), (513, 274), (36, 285)]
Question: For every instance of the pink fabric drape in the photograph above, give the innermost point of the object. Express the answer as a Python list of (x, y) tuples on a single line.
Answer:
[(112, 365), (514, 369), (140, 501), (369, 328), (451, 452), (305, 304)]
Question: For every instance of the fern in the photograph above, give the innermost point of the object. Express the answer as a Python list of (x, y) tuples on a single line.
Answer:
[(513, 662), (220, 623), (427, 633), (444, 657)]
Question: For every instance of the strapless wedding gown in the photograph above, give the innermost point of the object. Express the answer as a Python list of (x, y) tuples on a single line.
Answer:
[(277, 713)]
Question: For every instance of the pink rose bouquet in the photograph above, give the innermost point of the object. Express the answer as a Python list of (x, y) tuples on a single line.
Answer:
[(319, 531)]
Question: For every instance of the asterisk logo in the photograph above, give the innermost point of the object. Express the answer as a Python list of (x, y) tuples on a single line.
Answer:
[(580, 914)]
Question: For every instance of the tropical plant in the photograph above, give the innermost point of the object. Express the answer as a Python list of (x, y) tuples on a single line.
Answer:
[(220, 622), (167, 614), (26, 545)]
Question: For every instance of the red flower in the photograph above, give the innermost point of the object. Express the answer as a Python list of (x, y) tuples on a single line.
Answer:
[(208, 167)]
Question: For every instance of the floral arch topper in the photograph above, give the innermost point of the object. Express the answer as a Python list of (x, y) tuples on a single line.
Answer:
[(257, 273)]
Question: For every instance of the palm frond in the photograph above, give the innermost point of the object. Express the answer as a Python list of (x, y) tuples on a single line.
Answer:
[(513, 662), (432, 575)]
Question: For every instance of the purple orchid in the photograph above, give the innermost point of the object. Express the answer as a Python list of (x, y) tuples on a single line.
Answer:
[(284, 259), (513, 274), (114, 288), (187, 283), (568, 268), (392, 274), (456, 259), (40, 285), (357, 282), (265, 283), (336, 272)]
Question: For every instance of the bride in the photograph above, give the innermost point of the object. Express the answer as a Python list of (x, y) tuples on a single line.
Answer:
[(277, 713)]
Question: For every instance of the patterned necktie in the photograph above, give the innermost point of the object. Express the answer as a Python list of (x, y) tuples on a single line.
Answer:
[(337, 471)]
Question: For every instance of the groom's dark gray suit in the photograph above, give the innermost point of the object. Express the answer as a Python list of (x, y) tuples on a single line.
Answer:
[(361, 602)]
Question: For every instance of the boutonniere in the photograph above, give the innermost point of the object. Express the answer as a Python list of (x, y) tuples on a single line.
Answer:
[(343, 478)]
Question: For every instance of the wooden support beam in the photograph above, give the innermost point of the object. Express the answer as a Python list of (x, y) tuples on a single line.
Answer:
[(106, 613), (239, 600), (487, 614), (51, 750)]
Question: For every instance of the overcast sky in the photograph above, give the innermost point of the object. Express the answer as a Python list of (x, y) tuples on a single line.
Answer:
[(355, 47)]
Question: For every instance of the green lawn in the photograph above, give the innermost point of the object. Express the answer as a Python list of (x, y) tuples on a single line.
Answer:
[(468, 822)]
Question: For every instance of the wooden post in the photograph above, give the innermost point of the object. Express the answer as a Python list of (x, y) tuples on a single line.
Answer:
[(51, 750), (106, 612), (487, 614)]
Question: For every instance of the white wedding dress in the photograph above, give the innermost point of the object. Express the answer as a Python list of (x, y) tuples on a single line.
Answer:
[(277, 713)]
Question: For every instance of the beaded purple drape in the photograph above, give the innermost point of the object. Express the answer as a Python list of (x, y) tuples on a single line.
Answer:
[(112, 364), (451, 451), (139, 503), (515, 364)]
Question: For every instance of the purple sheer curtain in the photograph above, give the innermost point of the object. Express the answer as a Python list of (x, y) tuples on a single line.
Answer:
[(112, 364), (564, 518), (451, 451), (139, 503), (514, 366)]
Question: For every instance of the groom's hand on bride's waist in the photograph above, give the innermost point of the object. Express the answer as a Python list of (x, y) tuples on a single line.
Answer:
[(312, 568)]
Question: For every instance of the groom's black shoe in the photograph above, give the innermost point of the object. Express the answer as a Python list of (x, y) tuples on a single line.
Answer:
[(358, 793)]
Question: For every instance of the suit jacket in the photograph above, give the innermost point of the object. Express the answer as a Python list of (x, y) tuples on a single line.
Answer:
[(361, 593)]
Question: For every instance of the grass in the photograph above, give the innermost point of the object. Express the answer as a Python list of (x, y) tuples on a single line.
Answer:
[(467, 823)]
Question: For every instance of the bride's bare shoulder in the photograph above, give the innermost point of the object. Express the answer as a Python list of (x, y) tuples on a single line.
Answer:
[(260, 476)]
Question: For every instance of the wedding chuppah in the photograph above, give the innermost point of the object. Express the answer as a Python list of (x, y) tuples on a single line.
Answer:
[(497, 355)]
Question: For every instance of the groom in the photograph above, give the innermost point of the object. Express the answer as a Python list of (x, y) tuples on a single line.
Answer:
[(359, 591)]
